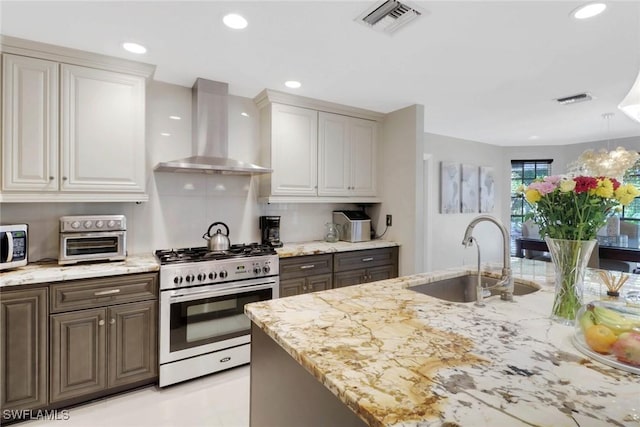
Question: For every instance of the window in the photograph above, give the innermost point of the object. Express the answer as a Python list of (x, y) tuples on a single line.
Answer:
[(523, 172), (632, 211)]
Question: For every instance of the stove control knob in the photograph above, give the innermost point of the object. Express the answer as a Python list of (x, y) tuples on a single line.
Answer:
[(201, 276), (266, 269), (88, 224), (111, 223), (257, 270), (223, 274), (212, 275), (75, 224), (99, 224), (177, 280), (190, 277)]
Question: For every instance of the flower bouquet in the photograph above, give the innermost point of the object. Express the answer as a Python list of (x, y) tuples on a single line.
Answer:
[(570, 211)]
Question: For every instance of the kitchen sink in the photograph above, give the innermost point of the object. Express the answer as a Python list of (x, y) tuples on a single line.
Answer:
[(463, 288)]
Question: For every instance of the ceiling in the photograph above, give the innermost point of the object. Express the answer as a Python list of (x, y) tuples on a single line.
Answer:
[(484, 71)]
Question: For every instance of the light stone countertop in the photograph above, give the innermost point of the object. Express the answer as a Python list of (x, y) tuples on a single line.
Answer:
[(400, 358), (46, 272), (322, 247)]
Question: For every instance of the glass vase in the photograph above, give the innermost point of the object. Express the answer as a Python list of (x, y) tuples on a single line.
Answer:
[(570, 258)]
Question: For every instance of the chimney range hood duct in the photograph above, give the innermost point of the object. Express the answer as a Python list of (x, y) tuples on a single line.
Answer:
[(210, 135)]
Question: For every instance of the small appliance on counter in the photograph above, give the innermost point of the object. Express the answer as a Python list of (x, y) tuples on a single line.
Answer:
[(13, 246), (92, 238), (270, 226), (354, 226)]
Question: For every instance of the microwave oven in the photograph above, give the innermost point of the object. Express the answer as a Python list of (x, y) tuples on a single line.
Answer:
[(14, 246)]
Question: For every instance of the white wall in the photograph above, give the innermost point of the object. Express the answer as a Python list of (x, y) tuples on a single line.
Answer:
[(181, 205), (401, 187), (445, 232)]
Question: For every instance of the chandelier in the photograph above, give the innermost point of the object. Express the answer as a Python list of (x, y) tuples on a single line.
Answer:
[(613, 163)]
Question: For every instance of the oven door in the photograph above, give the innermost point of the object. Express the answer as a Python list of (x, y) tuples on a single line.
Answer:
[(202, 319)]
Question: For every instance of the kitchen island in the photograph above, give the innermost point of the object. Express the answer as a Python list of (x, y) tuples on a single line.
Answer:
[(380, 354)]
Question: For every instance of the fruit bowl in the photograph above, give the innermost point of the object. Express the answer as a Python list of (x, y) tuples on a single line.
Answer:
[(609, 333)]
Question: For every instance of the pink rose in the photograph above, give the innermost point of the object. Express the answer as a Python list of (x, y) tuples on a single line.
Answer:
[(554, 179), (543, 187)]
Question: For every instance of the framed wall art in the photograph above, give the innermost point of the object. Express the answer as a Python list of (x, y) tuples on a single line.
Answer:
[(470, 189), (487, 189), (449, 187)]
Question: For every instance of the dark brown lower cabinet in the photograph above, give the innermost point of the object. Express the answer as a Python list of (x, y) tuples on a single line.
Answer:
[(363, 266), (23, 349), (356, 277), (96, 349), (303, 285)]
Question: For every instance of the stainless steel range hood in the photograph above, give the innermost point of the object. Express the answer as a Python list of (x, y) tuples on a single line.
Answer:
[(210, 135)]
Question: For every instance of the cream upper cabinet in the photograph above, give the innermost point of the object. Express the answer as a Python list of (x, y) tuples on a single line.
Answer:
[(73, 125), (320, 152), (102, 130), (29, 124), (292, 134), (347, 156)]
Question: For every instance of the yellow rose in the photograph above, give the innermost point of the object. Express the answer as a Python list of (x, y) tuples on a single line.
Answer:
[(604, 189), (626, 193), (567, 185), (532, 196)]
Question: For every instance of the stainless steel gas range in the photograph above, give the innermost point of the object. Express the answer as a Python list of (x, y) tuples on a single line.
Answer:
[(203, 328)]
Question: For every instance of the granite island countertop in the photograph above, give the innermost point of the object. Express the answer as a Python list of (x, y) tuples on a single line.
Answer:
[(51, 271), (400, 358)]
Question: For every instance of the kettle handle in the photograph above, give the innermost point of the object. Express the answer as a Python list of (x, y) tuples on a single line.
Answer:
[(213, 225)]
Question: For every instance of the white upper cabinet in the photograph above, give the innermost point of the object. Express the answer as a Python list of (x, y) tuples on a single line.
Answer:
[(319, 151), (347, 156), (294, 151), (102, 132), (72, 129), (30, 124)]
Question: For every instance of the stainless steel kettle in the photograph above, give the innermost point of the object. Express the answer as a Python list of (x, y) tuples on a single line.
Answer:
[(217, 242)]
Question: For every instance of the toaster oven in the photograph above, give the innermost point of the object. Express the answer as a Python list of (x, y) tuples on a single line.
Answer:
[(92, 238)]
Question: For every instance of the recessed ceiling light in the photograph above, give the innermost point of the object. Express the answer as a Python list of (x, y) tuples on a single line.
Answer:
[(533, 137), (293, 84), (235, 21), (134, 47), (589, 10), (244, 114), (165, 134), (175, 117)]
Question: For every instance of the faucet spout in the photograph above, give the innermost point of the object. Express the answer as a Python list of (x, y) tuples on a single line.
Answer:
[(506, 282)]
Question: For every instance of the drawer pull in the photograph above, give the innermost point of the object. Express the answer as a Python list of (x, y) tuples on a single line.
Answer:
[(305, 267), (109, 292), (100, 322), (367, 259), (112, 321)]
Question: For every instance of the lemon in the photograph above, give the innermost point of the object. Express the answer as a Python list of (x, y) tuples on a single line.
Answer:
[(600, 338)]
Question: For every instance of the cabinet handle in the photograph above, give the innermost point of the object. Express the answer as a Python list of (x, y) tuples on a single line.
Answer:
[(64, 178), (109, 292), (50, 178), (112, 321), (367, 259), (305, 267), (101, 322)]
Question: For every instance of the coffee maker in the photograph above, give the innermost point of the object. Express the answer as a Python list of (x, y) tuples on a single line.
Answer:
[(270, 226)]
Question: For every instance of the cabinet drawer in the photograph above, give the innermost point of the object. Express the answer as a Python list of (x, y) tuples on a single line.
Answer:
[(305, 265), (344, 261), (89, 293)]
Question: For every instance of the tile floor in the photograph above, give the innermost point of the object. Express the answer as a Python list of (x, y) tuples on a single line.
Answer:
[(217, 400)]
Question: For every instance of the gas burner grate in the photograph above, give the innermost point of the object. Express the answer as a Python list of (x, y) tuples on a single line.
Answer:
[(202, 253)]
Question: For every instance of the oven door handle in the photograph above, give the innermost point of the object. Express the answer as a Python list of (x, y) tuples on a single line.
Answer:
[(210, 293)]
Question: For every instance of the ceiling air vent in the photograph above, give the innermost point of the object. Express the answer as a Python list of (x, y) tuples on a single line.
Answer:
[(388, 16), (574, 99)]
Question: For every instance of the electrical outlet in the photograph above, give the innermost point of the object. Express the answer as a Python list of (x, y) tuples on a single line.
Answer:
[(389, 221)]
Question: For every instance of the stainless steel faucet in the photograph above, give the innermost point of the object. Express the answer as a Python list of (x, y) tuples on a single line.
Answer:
[(505, 285)]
